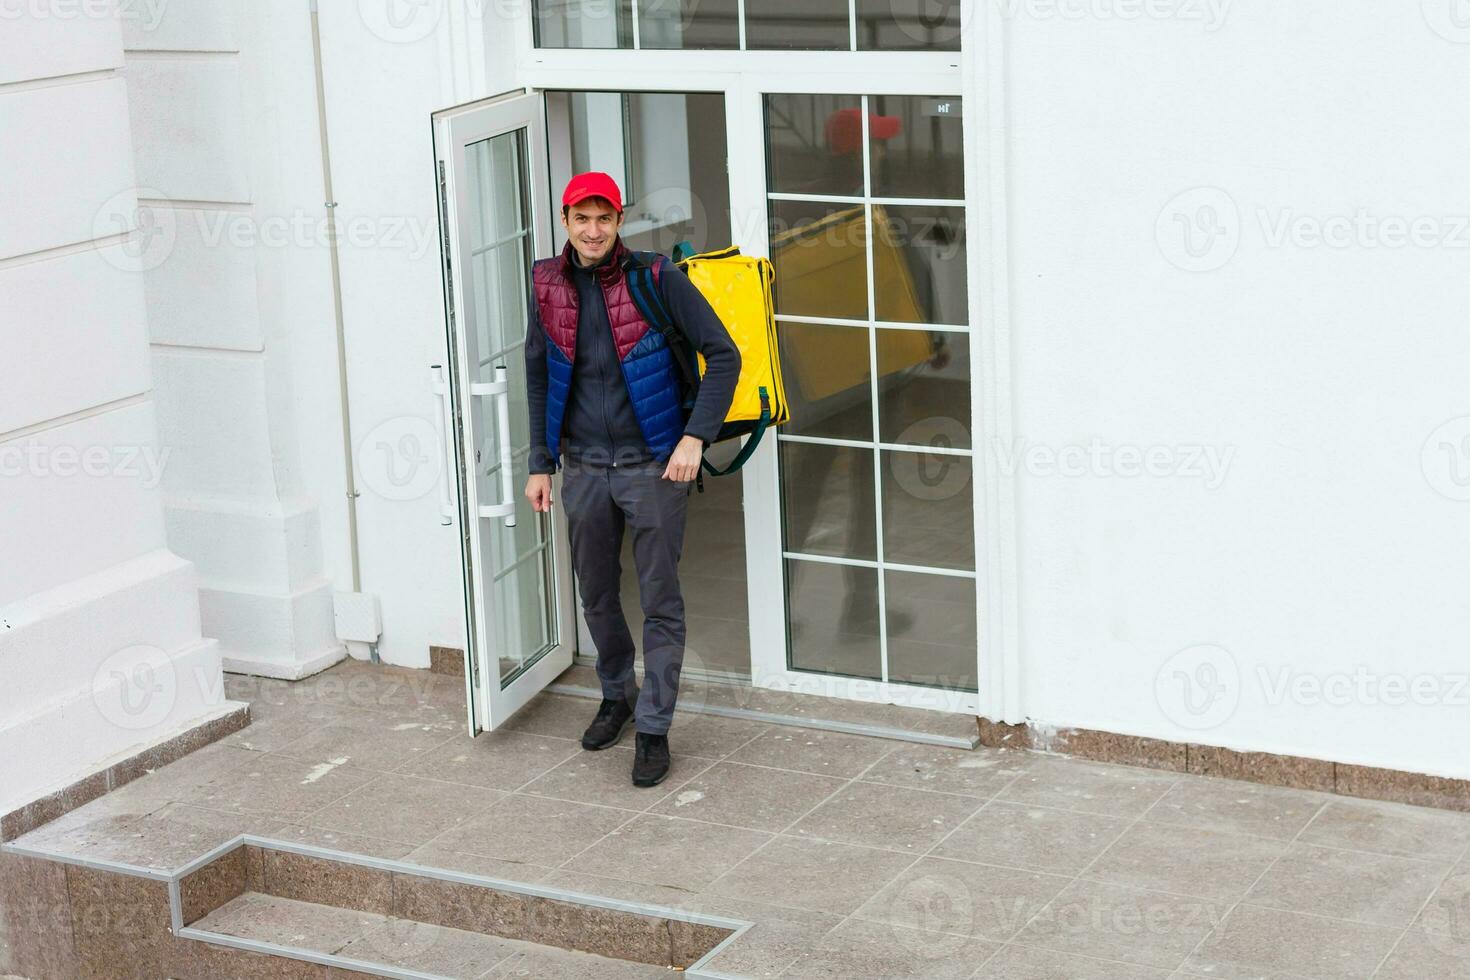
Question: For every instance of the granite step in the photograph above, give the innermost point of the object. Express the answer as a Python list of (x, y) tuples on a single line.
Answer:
[(388, 945)]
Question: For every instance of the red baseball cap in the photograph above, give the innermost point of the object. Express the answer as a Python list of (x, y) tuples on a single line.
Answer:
[(592, 184), (845, 129)]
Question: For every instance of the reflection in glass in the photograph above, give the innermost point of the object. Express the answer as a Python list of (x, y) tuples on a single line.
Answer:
[(688, 24), (827, 500), (826, 374), (919, 264), (804, 25), (665, 149), (809, 148), (832, 619), (931, 629), (515, 588), (918, 146), (908, 25), (583, 23), (821, 259), (924, 397), (928, 509)]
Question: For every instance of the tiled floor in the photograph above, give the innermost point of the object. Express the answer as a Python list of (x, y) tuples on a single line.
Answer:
[(856, 857)]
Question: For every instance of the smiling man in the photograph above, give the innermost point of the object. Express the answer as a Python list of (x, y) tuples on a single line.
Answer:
[(606, 398)]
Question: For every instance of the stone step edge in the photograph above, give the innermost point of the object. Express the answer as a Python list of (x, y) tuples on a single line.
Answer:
[(552, 917)]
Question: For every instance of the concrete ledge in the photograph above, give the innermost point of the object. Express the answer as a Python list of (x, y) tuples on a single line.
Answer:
[(1295, 772), (230, 718)]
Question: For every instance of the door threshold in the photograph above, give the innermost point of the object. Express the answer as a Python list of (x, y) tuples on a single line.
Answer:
[(735, 697)]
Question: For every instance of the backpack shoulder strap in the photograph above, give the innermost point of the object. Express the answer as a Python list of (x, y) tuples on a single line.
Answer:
[(643, 284)]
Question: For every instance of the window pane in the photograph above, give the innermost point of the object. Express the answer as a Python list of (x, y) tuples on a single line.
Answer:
[(908, 25), (832, 615), (924, 387), (928, 509), (821, 259), (583, 23), (919, 264), (931, 630), (669, 159), (826, 374), (810, 144), (918, 146), (808, 24), (688, 23), (827, 497)]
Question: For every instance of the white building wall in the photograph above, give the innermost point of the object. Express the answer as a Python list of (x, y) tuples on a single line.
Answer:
[(1330, 549), (241, 319), (101, 653)]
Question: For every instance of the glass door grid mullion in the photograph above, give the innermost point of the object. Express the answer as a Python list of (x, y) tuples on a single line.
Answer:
[(872, 365), (832, 321)]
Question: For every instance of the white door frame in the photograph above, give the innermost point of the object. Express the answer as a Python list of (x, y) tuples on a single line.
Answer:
[(490, 699), (743, 77)]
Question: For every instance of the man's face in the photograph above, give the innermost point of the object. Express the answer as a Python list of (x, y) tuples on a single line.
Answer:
[(592, 226)]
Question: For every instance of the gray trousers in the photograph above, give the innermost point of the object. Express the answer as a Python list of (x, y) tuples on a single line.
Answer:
[(600, 501)]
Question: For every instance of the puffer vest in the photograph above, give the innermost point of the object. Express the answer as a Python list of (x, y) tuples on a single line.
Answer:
[(647, 363)]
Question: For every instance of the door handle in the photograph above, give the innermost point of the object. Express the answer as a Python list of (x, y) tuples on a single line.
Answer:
[(499, 389)]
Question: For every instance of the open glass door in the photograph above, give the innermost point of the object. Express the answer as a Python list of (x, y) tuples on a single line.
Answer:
[(495, 219)]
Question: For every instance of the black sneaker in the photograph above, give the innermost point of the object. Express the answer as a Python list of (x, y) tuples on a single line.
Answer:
[(650, 759), (608, 727)]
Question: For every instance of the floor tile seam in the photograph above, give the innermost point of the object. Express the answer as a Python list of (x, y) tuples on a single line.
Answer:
[(1088, 866), (358, 789), (284, 752), (1413, 922), (920, 789), (782, 833), (1293, 840), (999, 797), (563, 866), (1090, 956), (1215, 928)]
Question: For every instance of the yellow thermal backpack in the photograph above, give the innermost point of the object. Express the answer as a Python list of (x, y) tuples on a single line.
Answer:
[(739, 288)]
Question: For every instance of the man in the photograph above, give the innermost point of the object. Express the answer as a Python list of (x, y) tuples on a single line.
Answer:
[(606, 395)]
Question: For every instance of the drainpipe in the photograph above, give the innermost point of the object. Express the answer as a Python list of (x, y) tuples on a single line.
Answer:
[(331, 205)]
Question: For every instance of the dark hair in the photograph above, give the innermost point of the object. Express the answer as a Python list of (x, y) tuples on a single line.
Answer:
[(566, 208)]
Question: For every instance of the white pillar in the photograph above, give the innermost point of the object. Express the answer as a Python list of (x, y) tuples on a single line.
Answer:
[(240, 315), (101, 651)]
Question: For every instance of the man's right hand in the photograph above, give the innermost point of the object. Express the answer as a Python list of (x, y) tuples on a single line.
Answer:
[(538, 492)]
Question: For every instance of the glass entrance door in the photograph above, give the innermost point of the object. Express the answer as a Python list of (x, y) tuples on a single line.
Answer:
[(494, 218)]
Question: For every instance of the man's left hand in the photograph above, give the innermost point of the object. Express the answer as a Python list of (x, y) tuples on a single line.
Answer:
[(684, 464)]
